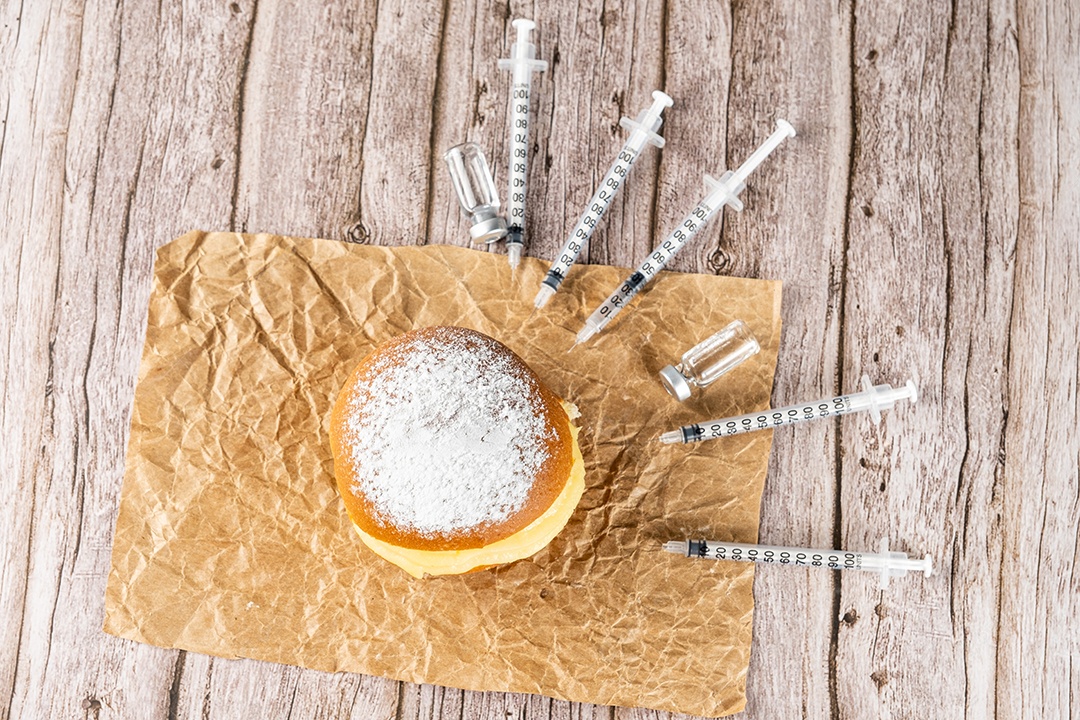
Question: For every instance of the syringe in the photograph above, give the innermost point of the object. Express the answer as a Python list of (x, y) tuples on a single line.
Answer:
[(887, 564), (642, 132), (522, 63), (724, 191), (873, 398)]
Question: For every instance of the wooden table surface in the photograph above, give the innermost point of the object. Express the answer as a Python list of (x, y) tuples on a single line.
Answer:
[(925, 220)]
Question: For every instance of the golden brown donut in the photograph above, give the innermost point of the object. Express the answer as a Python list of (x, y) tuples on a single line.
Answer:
[(445, 444)]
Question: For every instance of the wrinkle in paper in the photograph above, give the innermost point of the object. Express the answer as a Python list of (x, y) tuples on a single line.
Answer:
[(232, 541)]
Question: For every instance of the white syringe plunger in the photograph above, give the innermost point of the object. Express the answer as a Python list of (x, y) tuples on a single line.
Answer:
[(727, 189), (895, 564), (523, 52), (649, 121), (884, 397)]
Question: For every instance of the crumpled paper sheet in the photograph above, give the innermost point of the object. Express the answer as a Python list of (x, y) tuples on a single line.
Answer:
[(231, 539)]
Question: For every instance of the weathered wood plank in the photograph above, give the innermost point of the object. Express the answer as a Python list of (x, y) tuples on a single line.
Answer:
[(397, 157), (213, 687), (793, 229), (925, 288), (113, 124), (304, 116), (1038, 651), (470, 106)]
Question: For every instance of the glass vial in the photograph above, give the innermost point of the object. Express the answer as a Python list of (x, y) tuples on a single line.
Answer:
[(476, 192), (709, 359)]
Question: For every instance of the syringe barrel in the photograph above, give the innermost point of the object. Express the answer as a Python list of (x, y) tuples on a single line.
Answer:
[(523, 64), (606, 192), (519, 160), (887, 564), (776, 554)]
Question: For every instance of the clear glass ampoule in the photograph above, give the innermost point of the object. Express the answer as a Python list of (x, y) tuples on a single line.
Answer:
[(709, 359), (475, 189)]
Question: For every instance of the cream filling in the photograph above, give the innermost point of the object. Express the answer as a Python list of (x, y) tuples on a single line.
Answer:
[(525, 542)]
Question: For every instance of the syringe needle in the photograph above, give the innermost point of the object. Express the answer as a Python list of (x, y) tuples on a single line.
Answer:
[(873, 398), (642, 133), (724, 191), (887, 564)]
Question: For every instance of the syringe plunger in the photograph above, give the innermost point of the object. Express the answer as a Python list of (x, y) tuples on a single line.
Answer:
[(649, 121)]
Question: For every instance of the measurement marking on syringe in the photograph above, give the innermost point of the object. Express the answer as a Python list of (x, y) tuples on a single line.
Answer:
[(609, 188)]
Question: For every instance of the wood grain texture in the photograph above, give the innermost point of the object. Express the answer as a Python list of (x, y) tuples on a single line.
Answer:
[(926, 219)]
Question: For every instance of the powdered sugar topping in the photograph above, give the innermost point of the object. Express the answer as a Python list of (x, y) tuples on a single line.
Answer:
[(446, 434)]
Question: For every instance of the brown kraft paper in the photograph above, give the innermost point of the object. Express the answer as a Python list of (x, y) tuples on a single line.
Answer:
[(232, 540)]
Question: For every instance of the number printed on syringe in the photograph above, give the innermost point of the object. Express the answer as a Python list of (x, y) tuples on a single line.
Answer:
[(765, 420), (519, 154)]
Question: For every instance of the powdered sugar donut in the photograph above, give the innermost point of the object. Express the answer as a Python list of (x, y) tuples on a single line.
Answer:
[(448, 448)]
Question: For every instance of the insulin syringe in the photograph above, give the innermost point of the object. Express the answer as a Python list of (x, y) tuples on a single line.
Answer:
[(873, 398), (522, 63), (642, 132), (887, 564), (724, 191)]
